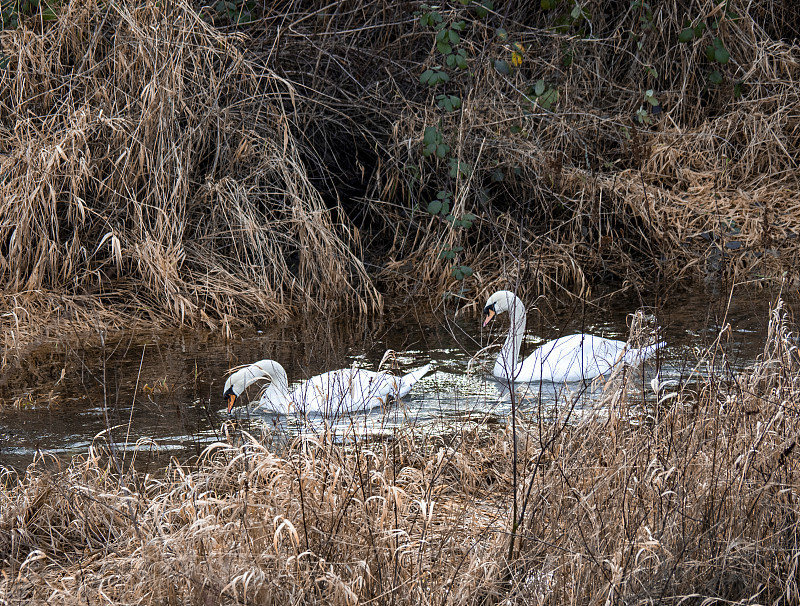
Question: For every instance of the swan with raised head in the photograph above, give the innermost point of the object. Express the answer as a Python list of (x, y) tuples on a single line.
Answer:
[(331, 394), (573, 358)]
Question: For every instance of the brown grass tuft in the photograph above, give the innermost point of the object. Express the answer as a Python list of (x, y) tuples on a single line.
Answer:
[(689, 494)]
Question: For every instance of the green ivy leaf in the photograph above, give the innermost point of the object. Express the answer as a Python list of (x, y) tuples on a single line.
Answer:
[(431, 135), (502, 67), (434, 207)]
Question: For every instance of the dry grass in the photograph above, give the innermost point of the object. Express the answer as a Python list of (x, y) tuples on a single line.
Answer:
[(688, 499), (158, 167)]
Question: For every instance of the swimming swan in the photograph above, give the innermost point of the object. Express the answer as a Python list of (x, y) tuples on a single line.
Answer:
[(332, 393), (573, 358)]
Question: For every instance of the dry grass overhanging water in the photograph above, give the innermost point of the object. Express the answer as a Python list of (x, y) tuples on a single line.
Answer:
[(691, 497), (162, 165)]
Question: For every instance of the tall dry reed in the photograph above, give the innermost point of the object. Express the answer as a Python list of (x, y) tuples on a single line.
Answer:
[(688, 495), (160, 163)]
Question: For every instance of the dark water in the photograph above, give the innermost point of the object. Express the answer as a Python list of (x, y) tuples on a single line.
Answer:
[(160, 394)]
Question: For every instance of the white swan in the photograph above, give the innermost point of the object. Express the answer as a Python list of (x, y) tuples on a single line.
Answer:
[(573, 358), (331, 394)]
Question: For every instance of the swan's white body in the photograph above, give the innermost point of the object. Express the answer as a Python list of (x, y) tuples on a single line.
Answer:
[(330, 394), (577, 357)]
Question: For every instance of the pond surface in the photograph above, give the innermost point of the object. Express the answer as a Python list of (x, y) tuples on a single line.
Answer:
[(160, 394)]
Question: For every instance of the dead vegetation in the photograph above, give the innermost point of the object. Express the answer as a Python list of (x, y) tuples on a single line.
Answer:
[(688, 496), (162, 164)]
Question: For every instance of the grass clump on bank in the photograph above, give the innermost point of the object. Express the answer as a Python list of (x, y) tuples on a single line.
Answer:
[(174, 162), (687, 498)]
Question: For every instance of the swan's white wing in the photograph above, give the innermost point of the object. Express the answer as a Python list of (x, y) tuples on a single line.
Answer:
[(349, 390), (572, 358), (343, 391)]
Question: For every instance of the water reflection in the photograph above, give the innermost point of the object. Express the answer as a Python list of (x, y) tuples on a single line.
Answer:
[(160, 394)]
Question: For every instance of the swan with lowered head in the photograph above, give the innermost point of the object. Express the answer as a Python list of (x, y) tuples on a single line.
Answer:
[(331, 394), (573, 358)]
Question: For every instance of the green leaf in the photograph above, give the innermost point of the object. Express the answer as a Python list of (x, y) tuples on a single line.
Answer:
[(502, 67), (715, 77), (686, 35), (443, 194), (220, 7), (498, 176), (737, 89), (539, 88), (710, 52), (444, 48), (431, 135), (501, 34), (548, 99), (453, 35), (481, 8), (699, 29), (548, 4), (721, 55), (442, 149), (458, 26), (426, 76), (466, 270), (461, 62), (434, 206)]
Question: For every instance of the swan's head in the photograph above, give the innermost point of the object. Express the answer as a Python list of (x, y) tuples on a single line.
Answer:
[(499, 302), (244, 377)]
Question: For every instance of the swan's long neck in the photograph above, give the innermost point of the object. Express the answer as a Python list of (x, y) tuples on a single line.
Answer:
[(278, 383), (506, 363)]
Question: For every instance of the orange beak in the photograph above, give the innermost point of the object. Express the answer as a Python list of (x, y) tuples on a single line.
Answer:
[(490, 313), (231, 401)]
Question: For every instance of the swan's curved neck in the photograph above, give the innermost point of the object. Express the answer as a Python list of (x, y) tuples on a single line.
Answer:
[(506, 363), (278, 386)]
